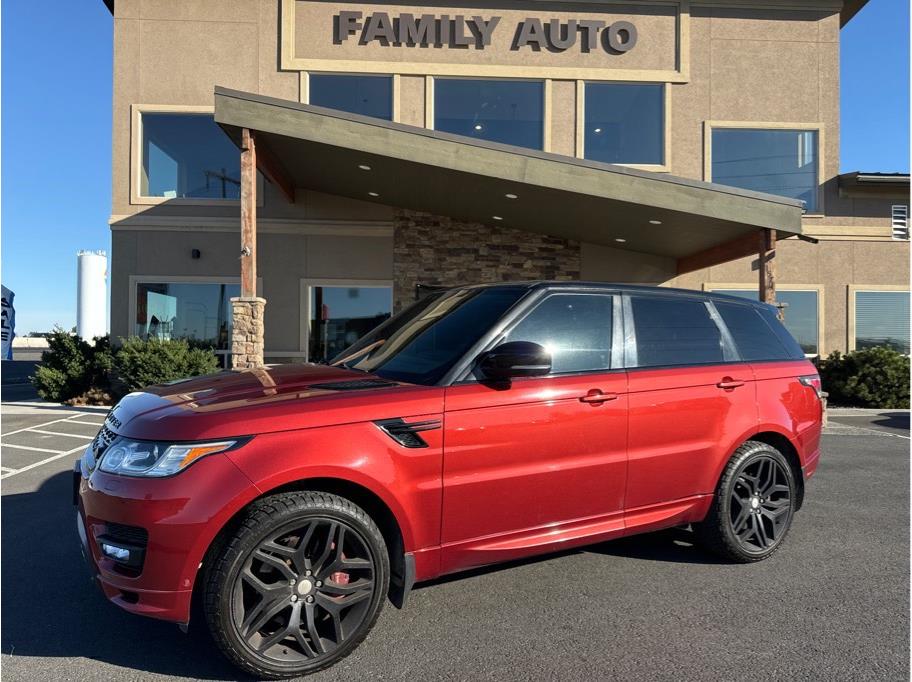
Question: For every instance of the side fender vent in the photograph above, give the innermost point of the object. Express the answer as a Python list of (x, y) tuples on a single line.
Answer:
[(406, 434)]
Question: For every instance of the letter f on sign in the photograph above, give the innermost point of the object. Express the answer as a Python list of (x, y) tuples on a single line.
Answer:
[(347, 24)]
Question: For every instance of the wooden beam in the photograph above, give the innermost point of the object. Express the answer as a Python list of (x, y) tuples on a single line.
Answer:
[(767, 269), (273, 170), (732, 250), (248, 214)]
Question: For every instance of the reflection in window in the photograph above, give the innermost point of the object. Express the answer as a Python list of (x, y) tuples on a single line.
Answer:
[(575, 329), (356, 94), (799, 315), (511, 112), (340, 315), (195, 311), (782, 162), (882, 319), (625, 123), (188, 156)]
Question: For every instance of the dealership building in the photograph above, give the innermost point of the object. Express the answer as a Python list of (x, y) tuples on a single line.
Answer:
[(288, 173)]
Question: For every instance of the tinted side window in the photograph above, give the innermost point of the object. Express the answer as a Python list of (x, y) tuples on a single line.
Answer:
[(792, 348), (575, 328), (754, 338), (674, 331)]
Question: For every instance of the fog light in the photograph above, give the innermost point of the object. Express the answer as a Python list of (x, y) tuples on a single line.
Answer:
[(114, 552)]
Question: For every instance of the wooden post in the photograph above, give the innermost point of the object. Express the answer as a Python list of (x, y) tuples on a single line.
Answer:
[(767, 269), (248, 215)]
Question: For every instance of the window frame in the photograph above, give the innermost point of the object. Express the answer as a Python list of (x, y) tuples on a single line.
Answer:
[(665, 166), (136, 164), (136, 280), (395, 88), (305, 287), (710, 125), (852, 290), (817, 288), (430, 97)]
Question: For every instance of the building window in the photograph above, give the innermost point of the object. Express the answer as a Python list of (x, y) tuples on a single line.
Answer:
[(900, 215), (356, 94), (185, 310), (507, 111), (341, 314), (624, 123), (187, 156), (882, 319), (800, 314), (783, 162)]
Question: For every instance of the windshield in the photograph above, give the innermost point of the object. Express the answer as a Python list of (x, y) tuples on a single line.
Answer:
[(423, 342)]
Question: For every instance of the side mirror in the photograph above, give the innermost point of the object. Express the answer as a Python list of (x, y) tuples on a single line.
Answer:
[(515, 359)]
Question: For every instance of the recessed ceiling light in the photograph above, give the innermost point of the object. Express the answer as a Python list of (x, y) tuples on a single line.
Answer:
[(655, 222), (496, 217), (511, 196), (597, 130), (620, 239), (364, 166), (373, 194), (478, 126)]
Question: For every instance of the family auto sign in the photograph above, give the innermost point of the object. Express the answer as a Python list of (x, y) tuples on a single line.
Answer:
[(430, 30)]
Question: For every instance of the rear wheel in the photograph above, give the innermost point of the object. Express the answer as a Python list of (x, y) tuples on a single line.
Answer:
[(753, 506), (298, 586)]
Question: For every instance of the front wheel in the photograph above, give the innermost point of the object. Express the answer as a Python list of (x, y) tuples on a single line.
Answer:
[(298, 586), (753, 505)]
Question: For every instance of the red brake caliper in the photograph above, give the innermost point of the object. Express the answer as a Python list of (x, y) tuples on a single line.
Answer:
[(339, 577)]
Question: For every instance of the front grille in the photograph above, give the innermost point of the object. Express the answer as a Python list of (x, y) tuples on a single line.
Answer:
[(103, 439), (127, 535)]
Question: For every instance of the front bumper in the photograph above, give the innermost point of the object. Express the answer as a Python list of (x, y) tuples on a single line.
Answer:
[(181, 515)]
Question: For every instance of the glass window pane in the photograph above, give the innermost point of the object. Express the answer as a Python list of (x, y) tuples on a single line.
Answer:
[(574, 328), (882, 319), (800, 314), (497, 110), (782, 162), (753, 336), (195, 311), (672, 331), (188, 156), (341, 315), (366, 95), (625, 123)]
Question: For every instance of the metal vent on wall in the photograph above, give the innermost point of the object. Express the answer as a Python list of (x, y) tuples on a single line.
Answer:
[(900, 216)]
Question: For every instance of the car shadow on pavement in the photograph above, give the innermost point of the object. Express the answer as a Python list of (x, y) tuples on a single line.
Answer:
[(893, 420), (51, 609), (674, 545)]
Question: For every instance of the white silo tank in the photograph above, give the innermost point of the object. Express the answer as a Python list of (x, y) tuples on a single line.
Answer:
[(91, 294)]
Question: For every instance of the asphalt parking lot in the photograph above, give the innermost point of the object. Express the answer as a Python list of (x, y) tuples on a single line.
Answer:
[(832, 604)]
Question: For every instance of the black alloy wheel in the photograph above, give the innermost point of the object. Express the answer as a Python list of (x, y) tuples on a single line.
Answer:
[(299, 586), (753, 506)]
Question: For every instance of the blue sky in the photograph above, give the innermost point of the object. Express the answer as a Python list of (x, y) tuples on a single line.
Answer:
[(56, 125)]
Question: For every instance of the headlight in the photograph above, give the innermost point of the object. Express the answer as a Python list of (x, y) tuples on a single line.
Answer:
[(149, 458)]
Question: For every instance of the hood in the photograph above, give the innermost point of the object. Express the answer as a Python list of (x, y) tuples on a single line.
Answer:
[(267, 399)]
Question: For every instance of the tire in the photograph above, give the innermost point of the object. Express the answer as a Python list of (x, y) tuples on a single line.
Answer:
[(297, 586), (753, 505)]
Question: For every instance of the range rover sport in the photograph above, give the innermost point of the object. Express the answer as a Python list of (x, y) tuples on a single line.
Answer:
[(479, 425)]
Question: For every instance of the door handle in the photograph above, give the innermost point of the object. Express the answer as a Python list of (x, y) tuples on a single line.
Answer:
[(728, 383), (595, 396)]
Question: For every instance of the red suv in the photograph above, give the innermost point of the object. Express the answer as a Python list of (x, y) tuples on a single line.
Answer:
[(480, 425)]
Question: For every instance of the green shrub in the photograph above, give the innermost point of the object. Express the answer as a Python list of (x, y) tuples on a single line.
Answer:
[(872, 377), (71, 367), (140, 363)]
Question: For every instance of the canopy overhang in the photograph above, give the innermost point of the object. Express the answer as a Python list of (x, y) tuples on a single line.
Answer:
[(311, 147)]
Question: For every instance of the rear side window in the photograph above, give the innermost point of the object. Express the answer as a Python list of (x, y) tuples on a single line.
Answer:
[(574, 328), (754, 338), (792, 347), (674, 331)]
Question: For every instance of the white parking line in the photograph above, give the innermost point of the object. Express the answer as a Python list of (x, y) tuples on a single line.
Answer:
[(58, 433), (40, 426), (74, 421), (7, 470), (42, 462), (29, 447)]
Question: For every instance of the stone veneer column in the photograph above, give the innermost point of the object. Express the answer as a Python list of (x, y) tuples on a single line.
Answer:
[(247, 332)]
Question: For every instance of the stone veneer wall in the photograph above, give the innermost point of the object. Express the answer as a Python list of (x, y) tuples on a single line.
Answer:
[(440, 251), (247, 332)]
